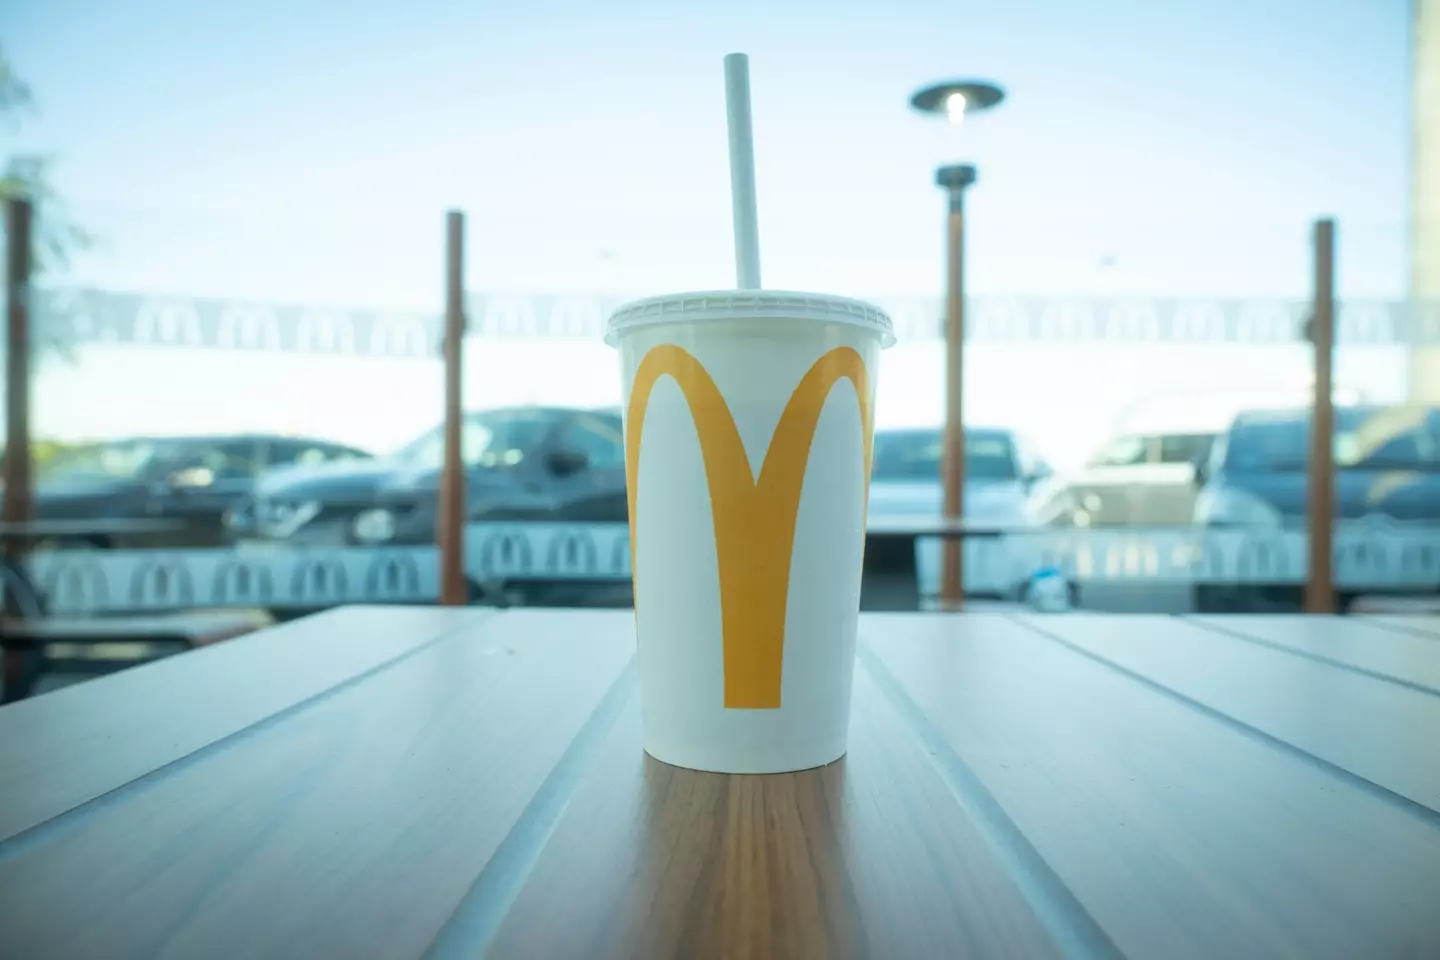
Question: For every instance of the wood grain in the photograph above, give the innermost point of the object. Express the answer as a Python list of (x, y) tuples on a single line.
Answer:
[(1348, 642), (76, 744), (1075, 786), (1371, 728), (870, 856), (1182, 835), (351, 829)]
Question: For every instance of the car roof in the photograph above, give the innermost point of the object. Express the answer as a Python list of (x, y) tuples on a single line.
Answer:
[(201, 438), (1301, 414), (533, 409), (936, 431)]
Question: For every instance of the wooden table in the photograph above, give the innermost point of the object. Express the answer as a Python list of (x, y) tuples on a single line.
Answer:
[(891, 576), (379, 782)]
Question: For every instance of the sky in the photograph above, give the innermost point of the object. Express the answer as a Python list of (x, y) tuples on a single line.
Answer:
[(306, 152)]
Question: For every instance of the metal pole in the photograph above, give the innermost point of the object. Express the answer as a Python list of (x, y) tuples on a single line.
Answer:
[(17, 503), (450, 530), (952, 570), (1319, 585)]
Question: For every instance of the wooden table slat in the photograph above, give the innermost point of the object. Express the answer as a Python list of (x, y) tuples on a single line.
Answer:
[(450, 783), (73, 745), (1367, 726), (1418, 623), (1352, 642), (851, 860), (353, 829), (1181, 835)]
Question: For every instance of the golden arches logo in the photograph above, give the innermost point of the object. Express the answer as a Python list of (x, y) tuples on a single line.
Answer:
[(754, 519)]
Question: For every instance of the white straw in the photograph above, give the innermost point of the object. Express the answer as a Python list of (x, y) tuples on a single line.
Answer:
[(742, 172)]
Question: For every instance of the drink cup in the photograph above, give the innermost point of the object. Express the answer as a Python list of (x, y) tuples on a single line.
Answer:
[(748, 425)]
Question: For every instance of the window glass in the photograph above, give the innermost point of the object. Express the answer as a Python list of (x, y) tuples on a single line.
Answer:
[(1185, 447), (486, 440), (1365, 439), (915, 455), (602, 441), (224, 461), (286, 453), (1123, 452)]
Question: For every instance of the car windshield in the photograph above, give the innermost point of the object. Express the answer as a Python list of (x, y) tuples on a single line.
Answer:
[(129, 460), (1399, 438), (915, 456), (487, 440)]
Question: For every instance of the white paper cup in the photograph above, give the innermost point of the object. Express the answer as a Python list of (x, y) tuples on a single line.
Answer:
[(748, 433)]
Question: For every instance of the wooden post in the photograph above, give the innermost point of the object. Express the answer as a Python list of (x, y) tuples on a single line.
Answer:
[(450, 529), (1319, 521), (17, 504), (952, 569)]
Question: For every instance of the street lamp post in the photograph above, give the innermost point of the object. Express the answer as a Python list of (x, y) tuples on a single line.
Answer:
[(955, 100), (954, 180)]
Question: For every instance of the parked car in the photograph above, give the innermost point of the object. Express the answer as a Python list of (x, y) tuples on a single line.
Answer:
[(190, 481), (1144, 474), (1002, 473), (522, 463), (1003, 477), (1387, 472)]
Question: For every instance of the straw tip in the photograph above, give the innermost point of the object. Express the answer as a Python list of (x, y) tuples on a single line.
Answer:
[(737, 58)]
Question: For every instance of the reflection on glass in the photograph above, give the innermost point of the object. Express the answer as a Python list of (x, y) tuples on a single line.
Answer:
[(1366, 438), (916, 455), (126, 460), (495, 438)]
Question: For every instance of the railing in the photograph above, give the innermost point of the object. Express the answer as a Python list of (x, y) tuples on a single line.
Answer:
[(1367, 556), (97, 316)]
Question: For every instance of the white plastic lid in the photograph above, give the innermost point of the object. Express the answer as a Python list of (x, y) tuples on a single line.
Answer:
[(748, 305)]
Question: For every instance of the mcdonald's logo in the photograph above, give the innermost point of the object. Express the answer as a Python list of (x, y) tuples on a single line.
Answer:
[(1132, 320), (507, 552), (164, 583), (77, 586), (393, 577), (1198, 321), (754, 519), (574, 317), (236, 581), (321, 331), (572, 552), (401, 337), (620, 556), (248, 327), (318, 580), (167, 321), (1260, 557)]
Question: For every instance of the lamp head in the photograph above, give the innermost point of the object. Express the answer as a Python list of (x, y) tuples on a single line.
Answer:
[(955, 178), (957, 99)]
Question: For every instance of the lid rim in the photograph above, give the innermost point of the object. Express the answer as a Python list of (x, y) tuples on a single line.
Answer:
[(748, 304)]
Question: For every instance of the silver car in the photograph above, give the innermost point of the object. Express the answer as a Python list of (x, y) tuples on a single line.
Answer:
[(1003, 477), (1144, 475), (1135, 479)]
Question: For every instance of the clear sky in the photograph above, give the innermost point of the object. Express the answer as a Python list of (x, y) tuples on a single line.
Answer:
[(305, 151)]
